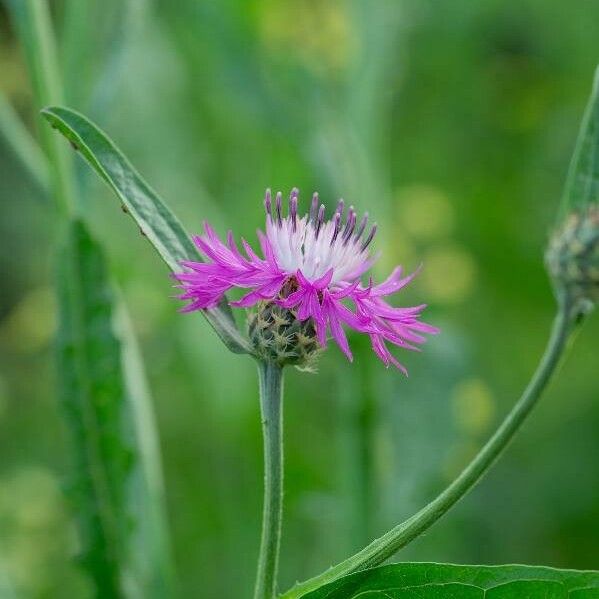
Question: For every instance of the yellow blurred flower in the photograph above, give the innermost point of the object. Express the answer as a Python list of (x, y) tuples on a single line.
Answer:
[(424, 211), (317, 34), (449, 273)]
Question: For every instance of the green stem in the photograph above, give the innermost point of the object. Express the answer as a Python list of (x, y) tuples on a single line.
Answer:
[(33, 22), (271, 405), (381, 549), (23, 144)]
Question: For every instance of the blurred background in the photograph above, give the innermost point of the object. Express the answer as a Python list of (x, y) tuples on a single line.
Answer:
[(453, 124)]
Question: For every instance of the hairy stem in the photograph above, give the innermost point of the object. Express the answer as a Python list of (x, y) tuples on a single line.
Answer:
[(271, 405), (384, 547)]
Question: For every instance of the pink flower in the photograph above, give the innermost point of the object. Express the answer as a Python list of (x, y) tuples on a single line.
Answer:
[(313, 268)]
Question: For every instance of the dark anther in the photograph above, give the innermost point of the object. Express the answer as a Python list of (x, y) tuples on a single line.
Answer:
[(369, 238), (319, 220), (337, 218), (268, 203), (314, 207), (278, 202), (362, 226)]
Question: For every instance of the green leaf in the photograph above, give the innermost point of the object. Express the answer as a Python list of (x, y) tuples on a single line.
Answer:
[(440, 581), (111, 477), (149, 547), (582, 184), (23, 144), (92, 391), (155, 220), (33, 23)]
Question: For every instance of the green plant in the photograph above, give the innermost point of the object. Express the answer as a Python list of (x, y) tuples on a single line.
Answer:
[(162, 230)]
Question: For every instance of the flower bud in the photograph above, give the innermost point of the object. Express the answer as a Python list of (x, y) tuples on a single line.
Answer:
[(278, 336), (572, 257)]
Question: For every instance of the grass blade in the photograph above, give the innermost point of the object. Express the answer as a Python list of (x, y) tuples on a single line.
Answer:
[(34, 27), (92, 391), (156, 221), (103, 404), (23, 144), (149, 545)]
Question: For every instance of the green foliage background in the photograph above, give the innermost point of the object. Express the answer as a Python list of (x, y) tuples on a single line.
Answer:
[(453, 124)]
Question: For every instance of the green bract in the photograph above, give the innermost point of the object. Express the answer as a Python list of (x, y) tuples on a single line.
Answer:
[(582, 184), (572, 256), (278, 335)]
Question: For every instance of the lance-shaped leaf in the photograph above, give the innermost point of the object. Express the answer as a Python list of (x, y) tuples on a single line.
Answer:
[(155, 219), (437, 581), (110, 480), (582, 184), (149, 546)]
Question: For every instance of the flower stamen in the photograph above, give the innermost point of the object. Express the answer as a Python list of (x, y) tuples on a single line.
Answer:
[(337, 221), (370, 237), (293, 208), (319, 220), (314, 207), (362, 226), (349, 225), (268, 202), (278, 202)]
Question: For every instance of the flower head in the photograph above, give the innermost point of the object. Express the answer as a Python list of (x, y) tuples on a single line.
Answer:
[(311, 273), (572, 257)]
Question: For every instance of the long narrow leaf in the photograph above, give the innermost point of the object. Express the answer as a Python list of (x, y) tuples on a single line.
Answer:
[(23, 144), (156, 221), (34, 27), (92, 392), (149, 547), (115, 482)]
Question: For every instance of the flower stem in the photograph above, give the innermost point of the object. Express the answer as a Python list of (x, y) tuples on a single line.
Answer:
[(384, 547), (271, 405)]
